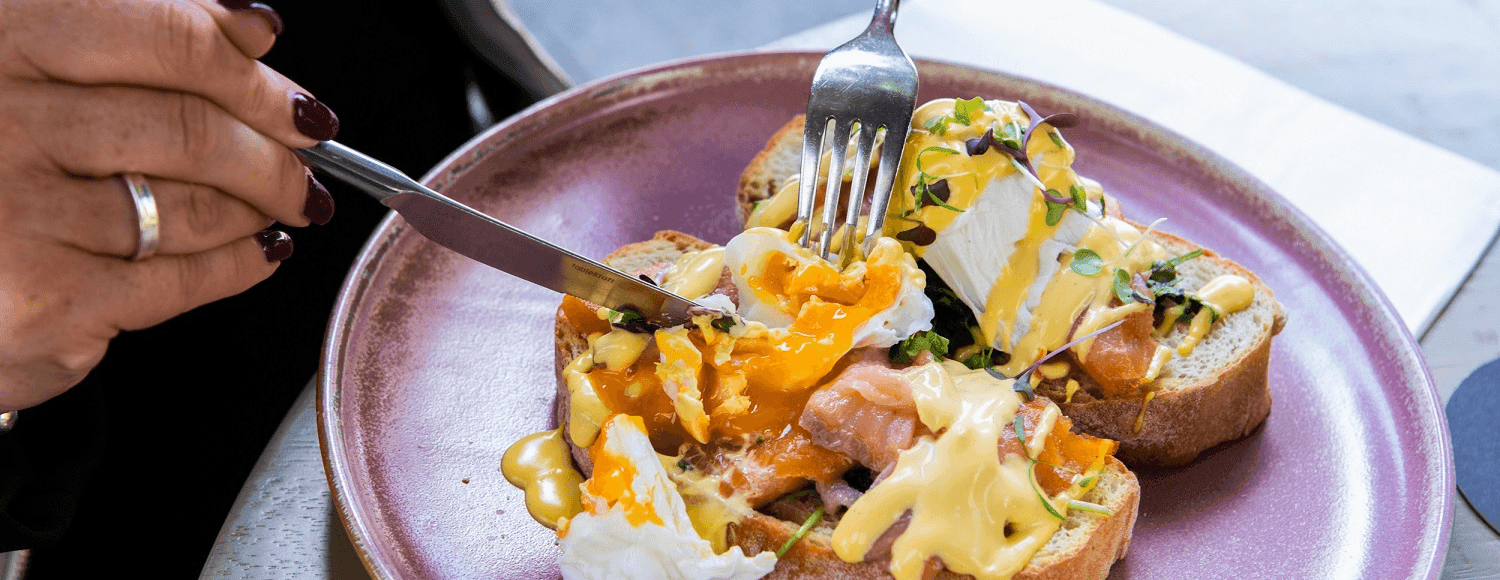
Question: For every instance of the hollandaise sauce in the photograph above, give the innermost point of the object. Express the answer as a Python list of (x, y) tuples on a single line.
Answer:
[(976, 495), (541, 465)]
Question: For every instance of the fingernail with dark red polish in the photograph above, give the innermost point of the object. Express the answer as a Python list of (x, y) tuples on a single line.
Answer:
[(276, 244), (319, 205), (259, 9), (313, 118)]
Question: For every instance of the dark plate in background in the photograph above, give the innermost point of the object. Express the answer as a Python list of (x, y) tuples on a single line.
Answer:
[(435, 364)]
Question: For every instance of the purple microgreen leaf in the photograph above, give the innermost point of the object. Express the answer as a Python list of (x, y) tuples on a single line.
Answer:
[(1141, 291), (920, 235), (980, 145), (1023, 385)]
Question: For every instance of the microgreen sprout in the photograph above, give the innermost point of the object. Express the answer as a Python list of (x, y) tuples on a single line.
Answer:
[(807, 526)]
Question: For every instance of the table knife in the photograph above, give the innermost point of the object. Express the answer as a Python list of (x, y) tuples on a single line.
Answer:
[(495, 243)]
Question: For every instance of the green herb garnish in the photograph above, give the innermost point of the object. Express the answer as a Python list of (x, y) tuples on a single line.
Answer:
[(1084, 506), (1011, 135), (807, 526), (1080, 198), (1087, 262), (1165, 271), (1055, 210), (725, 324), (930, 150), (938, 125), (1042, 496), (928, 340), (683, 465), (981, 359), (964, 111), (1021, 434), (1056, 139), (1122, 286)]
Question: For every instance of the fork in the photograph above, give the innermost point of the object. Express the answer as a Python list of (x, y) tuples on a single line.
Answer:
[(869, 81)]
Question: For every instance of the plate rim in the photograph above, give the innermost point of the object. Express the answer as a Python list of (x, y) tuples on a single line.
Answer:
[(338, 465)]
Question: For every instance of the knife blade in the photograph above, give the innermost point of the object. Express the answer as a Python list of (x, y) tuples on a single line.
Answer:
[(497, 244)]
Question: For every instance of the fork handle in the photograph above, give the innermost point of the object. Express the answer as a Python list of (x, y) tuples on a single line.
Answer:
[(885, 16)]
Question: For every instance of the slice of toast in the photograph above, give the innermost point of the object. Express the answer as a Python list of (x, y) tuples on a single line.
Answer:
[(1084, 547), (1218, 393)]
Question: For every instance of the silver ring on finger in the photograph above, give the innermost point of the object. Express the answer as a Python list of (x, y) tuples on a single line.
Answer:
[(148, 222)]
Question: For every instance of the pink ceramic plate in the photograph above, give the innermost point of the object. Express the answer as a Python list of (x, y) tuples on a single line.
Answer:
[(434, 364)]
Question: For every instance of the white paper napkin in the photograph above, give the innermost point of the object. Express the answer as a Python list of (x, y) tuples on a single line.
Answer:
[(1416, 217)]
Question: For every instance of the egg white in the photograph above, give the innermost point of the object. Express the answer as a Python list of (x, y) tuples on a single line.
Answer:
[(603, 544), (747, 255), (971, 253)]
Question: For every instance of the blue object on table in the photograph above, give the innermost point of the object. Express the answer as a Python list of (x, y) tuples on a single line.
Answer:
[(1474, 421)]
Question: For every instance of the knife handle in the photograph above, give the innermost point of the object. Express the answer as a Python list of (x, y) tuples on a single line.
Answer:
[(375, 178)]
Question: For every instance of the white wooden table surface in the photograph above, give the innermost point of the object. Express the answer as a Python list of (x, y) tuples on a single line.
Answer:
[(1429, 70)]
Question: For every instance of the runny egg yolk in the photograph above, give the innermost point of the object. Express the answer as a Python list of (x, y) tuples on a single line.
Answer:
[(614, 478), (754, 386)]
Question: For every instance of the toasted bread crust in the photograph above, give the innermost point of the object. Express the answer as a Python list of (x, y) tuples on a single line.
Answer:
[(1190, 414), (766, 173), (1089, 553)]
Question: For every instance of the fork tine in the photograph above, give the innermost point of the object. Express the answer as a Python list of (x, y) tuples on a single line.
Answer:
[(890, 161), (861, 166), (834, 191), (807, 190)]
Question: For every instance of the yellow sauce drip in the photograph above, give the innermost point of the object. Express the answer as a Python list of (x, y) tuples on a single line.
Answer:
[(1140, 420), (1221, 297), (1158, 361), (542, 465), (1055, 370), (1072, 388), (618, 348), (695, 274), (776, 210), (586, 411), (961, 493)]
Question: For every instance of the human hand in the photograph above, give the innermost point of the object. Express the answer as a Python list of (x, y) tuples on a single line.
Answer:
[(93, 89)]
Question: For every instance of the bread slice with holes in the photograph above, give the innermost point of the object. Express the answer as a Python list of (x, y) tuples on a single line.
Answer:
[(1218, 393), (1084, 548)]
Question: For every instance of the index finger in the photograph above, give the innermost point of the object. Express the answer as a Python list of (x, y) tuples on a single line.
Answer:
[(165, 44)]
